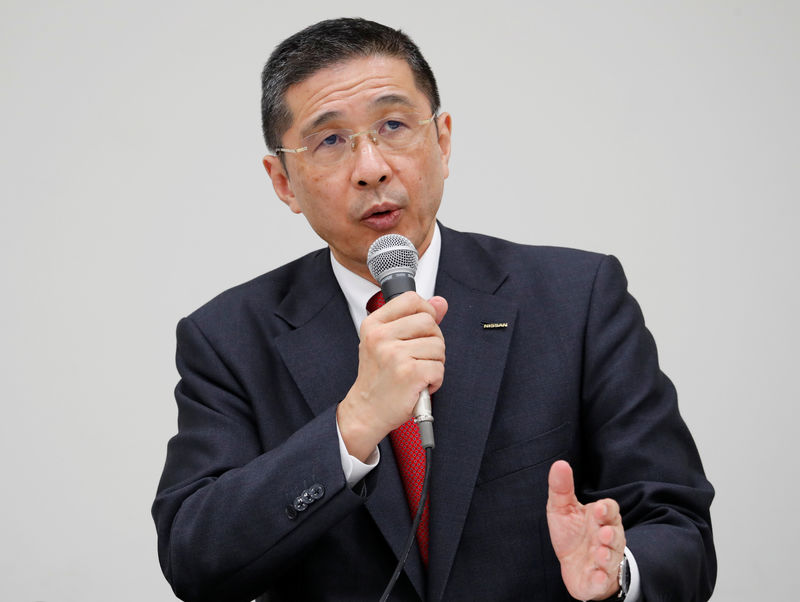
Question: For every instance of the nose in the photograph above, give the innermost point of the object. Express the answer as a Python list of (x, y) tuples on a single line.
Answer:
[(370, 167)]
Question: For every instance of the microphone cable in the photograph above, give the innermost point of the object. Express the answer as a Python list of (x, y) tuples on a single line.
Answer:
[(417, 518)]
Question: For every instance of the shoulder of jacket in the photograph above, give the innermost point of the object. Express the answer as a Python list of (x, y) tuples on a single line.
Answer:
[(264, 291)]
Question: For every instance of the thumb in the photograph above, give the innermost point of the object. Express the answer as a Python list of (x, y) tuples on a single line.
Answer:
[(561, 488), (440, 305)]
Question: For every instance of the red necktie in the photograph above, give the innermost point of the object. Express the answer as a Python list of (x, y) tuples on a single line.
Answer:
[(410, 457)]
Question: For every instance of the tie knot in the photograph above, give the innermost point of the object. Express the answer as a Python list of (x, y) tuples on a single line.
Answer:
[(375, 302)]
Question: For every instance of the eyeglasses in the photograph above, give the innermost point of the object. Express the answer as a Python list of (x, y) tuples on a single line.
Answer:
[(397, 132)]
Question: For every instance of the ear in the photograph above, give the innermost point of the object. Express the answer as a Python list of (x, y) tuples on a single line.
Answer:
[(445, 123), (280, 182)]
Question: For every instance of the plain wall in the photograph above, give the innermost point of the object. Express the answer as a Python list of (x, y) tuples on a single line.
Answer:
[(133, 192)]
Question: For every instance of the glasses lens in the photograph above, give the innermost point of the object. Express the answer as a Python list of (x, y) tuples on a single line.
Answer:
[(400, 131), (327, 146), (397, 131)]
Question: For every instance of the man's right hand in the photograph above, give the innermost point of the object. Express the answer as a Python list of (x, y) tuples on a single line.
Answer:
[(401, 353)]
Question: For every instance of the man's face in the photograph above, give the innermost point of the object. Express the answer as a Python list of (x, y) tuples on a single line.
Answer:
[(372, 191)]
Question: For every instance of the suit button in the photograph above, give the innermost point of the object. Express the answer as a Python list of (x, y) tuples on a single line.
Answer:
[(306, 497), (316, 491), (291, 513), (299, 504)]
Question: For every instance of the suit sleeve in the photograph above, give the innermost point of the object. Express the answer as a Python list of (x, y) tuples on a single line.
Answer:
[(638, 450), (230, 515)]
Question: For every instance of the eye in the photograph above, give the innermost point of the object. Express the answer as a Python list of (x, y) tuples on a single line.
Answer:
[(324, 142), (330, 140), (391, 126)]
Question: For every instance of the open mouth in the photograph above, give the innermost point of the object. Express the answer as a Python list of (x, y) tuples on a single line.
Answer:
[(383, 219)]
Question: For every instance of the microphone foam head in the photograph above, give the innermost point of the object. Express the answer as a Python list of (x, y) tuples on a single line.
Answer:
[(392, 254)]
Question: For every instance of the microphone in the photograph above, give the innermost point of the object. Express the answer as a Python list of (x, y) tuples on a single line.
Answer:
[(392, 260)]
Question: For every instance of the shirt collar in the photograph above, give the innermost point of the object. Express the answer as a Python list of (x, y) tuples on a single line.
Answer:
[(358, 290)]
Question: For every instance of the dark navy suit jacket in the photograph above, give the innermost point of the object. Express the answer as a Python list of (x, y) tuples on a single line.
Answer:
[(573, 375)]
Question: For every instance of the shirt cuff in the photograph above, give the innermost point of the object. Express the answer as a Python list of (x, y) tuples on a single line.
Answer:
[(353, 468), (635, 589)]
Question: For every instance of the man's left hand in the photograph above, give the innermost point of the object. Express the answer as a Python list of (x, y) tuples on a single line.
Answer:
[(589, 540)]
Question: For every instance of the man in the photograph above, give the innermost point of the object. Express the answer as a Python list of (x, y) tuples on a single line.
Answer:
[(282, 481)]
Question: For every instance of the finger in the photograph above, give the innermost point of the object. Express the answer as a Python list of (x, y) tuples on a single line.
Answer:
[(601, 580), (415, 326), (608, 524), (420, 353), (606, 512), (561, 489), (385, 337), (433, 375), (604, 558), (403, 305), (606, 536), (616, 541), (608, 562), (609, 548), (425, 348), (424, 374)]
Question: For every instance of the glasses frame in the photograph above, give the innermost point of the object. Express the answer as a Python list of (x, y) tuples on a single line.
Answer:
[(372, 134)]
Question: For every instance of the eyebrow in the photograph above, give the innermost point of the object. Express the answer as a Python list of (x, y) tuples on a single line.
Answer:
[(328, 116), (319, 122), (393, 99)]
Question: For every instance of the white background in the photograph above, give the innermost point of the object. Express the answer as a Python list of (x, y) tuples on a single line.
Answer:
[(132, 191)]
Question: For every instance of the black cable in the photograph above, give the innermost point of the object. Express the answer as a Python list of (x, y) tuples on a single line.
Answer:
[(417, 518)]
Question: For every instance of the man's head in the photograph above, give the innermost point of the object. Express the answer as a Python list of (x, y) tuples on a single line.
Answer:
[(325, 44), (360, 151)]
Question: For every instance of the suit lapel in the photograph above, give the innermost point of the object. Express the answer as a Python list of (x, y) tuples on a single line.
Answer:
[(321, 352), (463, 408)]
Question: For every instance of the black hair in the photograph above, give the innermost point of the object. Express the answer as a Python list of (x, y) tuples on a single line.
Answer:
[(324, 44)]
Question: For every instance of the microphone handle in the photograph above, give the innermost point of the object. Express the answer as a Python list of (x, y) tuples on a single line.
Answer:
[(424, 419), (395, 285)]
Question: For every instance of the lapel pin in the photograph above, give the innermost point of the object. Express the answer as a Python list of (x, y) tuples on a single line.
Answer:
[(490, 325)]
